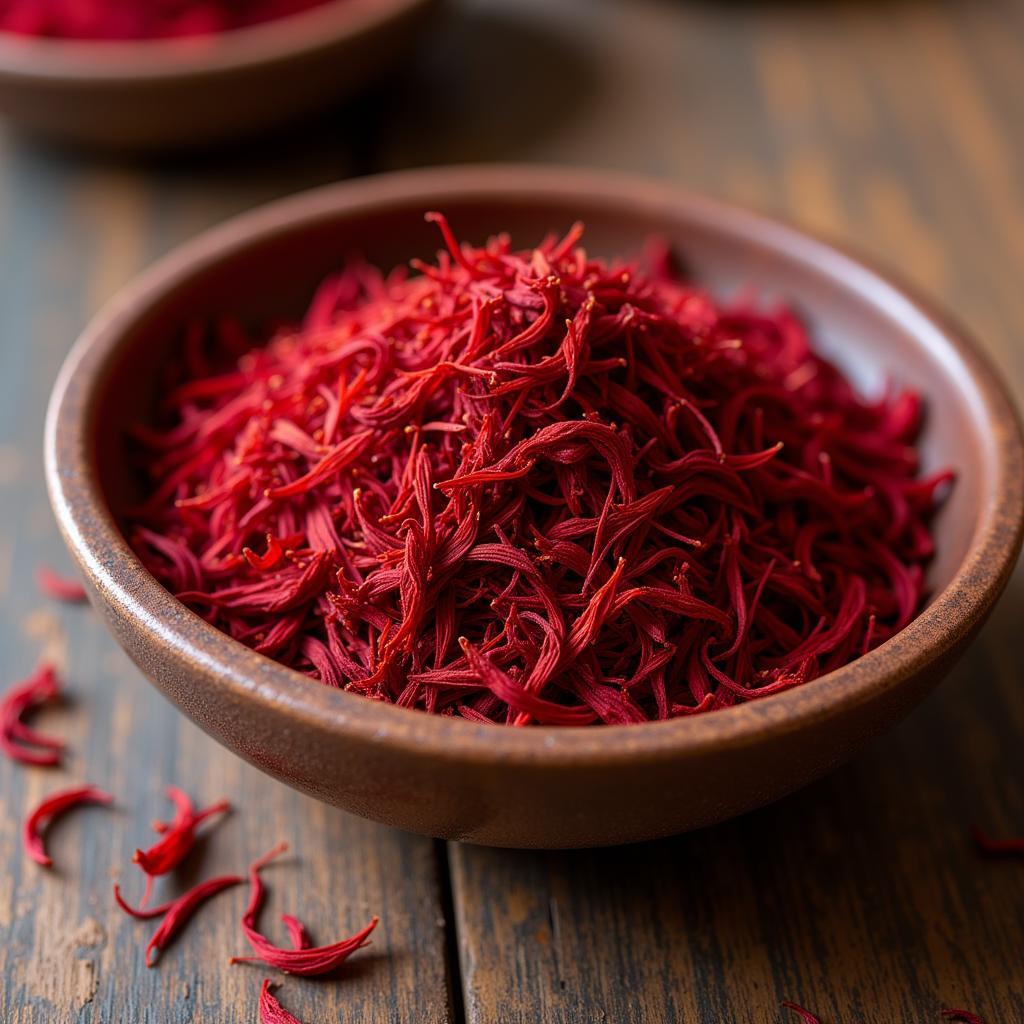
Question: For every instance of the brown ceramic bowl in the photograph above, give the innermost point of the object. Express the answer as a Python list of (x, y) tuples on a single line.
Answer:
[(535, 787), (159, 94)]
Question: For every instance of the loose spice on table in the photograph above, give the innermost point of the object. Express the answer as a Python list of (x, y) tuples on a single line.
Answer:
[(964, 1016), (1012, 846), (61, 588), (271, 1011), (303, 959), (534, 487), (805, 1015), (53, 805), (179, 837), (176, 912), (19, 741)]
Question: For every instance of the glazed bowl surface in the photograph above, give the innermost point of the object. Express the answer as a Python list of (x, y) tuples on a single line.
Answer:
[(533, 787), (164, 94)]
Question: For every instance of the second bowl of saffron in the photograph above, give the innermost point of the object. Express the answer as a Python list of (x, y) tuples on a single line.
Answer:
[(534, 507), (160, 75)]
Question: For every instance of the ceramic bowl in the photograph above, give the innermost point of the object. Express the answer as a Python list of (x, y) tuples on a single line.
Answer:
[(534, 787), (163, 94)]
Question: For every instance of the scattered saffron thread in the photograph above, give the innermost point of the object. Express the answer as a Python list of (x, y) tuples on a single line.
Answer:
[(965, 1016), (1011, 847), (302, 959), (271, 1011), (61, 588), (806, 1015), (176, 912), (178, 837), (53, 805), (532, 487), (17, 740), (958, 1015)]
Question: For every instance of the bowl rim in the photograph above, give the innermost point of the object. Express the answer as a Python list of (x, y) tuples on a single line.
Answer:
[(102, 62), (221, 662)]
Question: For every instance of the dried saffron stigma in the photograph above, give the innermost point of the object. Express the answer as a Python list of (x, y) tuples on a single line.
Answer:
[(805, 1015), (56, 803), (179, 837), (964, 1016), (140, 19), (52, 584), (536, 488), (271, 1011), (303, 959), (176, 912), (17, 740), (1011, 847)]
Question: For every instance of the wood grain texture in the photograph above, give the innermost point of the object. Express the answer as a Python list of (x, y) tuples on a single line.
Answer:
[(893, 125)]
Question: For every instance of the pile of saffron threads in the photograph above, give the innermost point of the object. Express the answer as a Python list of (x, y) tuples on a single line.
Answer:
[(536, 487), (140, 19)]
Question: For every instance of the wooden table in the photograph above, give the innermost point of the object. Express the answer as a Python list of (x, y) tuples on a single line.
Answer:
[(895, 126)]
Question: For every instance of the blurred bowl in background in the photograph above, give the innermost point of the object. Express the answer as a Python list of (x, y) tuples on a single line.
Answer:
[(158, 94)]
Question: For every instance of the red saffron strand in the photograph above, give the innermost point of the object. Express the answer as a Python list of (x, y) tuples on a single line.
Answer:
[(965, 1016), (296, 932), (630, 500), (271, 1011), (1010, 847), (805, 1015), (176, 912), (61, 588), (303, 959), (178, 837), (53, 805), (16, 738), (142, 913), (181, 909)]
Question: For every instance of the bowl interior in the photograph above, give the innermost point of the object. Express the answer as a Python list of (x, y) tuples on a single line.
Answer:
[(869, 329)]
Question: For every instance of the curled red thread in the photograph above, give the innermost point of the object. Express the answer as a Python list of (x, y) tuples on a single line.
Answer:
[(805, 1015), (53, 805), (178, 837), (19, 741), (302, 959), (1010, 847), (271, 1011), (61, 588), (965, 1016), (175, 913)]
